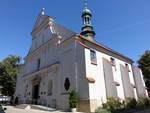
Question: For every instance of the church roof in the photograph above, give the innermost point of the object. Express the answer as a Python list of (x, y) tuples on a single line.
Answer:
[(103, 46)]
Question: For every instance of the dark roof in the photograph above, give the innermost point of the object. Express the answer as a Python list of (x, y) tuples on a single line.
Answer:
[(103, 46)]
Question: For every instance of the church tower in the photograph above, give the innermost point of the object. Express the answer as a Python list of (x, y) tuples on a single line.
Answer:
[(87, 28)]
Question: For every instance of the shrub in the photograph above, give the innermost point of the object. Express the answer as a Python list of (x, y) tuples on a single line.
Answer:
[(105, 105), (143, 102), (131, 103), (112, 104), (147, 101), (102, 110), (73, 100), (115, 105)]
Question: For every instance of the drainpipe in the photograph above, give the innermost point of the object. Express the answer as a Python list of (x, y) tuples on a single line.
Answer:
[(76, 69)]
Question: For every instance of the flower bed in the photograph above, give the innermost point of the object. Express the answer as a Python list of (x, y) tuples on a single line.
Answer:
[(129, 105)]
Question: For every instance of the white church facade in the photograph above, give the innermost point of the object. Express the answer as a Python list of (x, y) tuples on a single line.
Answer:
[(61, 60)]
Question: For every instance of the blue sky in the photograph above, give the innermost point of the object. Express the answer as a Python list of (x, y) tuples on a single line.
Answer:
[(123, 25)]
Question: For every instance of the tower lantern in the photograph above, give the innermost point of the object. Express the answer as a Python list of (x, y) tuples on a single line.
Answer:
[(87, 28)]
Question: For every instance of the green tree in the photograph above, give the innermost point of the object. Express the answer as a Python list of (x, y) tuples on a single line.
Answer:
[(8, 72), (144, 65)]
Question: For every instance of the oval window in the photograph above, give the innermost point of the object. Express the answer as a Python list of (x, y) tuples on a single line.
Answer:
[(67, 84)]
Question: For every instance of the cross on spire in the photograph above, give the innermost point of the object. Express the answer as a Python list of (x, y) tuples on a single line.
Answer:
[(85, 4), (43, 11)]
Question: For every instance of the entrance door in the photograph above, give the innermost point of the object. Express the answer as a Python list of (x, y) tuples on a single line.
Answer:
[(35, 93)]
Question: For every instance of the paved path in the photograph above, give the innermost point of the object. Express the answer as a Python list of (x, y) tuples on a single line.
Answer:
[(11, 109), (146, 111)]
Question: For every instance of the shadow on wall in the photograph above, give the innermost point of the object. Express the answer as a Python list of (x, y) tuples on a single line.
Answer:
[(1, 109)]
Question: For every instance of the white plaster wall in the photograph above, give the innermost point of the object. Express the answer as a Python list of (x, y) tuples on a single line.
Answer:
[(132, 79), (80, 69), (138, 77), (49, 55), (97, 90), (19, 87), (117, 77), (40, 38), (142, 77)]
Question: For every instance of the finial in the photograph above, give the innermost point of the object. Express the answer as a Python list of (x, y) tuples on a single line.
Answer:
[(85, 4), (43, 11)]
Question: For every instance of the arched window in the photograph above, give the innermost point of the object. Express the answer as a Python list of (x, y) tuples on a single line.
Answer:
[(88, 20)]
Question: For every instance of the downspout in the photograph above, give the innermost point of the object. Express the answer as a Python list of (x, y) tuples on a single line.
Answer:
[(76, 69)]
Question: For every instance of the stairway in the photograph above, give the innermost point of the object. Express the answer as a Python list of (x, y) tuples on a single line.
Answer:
[(23, 106)]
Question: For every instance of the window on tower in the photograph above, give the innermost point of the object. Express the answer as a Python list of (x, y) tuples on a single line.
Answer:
[(88, 20), (93, 57)]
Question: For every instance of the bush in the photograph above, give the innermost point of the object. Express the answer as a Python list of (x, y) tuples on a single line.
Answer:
[(143, 102), (73, 100), (115, 105), (147, 101), (131, 103), (112, 104), (102, 110)]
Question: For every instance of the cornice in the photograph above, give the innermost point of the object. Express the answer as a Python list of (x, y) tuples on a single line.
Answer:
[(41, 47), (45, 23), (44, 69)]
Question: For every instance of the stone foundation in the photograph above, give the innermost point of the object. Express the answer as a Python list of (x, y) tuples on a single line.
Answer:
[(89, 105)]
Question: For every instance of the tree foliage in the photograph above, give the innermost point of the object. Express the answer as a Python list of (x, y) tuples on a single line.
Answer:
[(8, 72), (144, 64)]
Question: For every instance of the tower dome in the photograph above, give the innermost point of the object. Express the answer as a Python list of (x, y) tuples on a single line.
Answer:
[(87, 28), (86, 11)]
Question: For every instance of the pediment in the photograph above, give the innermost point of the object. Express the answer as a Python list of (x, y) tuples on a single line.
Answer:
[(39, 20)]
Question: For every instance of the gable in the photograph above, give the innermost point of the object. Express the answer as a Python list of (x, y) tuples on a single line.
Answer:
[(39, 20)]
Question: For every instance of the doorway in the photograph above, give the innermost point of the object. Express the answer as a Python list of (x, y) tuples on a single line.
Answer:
[(35, 95)]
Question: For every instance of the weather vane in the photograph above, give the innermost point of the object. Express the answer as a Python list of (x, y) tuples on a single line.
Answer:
[(85, 4)]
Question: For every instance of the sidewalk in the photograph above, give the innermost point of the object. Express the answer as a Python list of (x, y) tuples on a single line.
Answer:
[(11, 109)]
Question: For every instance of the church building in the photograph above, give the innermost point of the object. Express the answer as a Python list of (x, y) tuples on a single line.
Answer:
[(61, 60)]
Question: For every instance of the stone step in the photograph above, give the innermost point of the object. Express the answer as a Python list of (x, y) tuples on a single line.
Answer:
[(39, 107), (22, 106)]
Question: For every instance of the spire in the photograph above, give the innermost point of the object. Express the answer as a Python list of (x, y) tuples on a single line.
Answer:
[(85, 4), (43, 11), (87, 28)]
